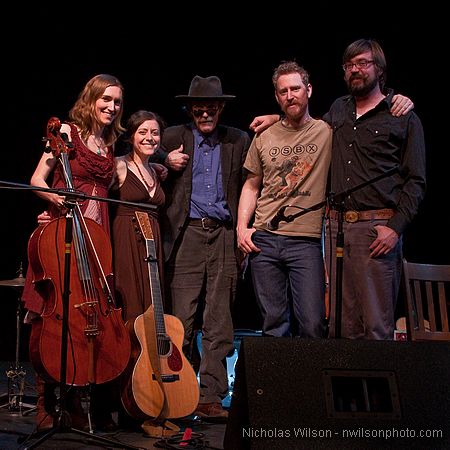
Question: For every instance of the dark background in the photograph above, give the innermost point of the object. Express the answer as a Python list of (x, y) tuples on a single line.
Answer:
[(47, 57)]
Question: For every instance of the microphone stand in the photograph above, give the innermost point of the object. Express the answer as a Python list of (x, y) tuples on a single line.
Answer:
[(76, 195), (337, 201), (64, 425), (339, 269)]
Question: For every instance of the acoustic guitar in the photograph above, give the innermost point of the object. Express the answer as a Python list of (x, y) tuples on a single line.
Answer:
[(162, 384)]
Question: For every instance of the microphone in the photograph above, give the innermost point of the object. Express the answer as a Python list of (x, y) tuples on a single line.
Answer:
[(275, 221)]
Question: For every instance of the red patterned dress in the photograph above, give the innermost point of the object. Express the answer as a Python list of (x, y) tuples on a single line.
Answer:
[(92, 175)]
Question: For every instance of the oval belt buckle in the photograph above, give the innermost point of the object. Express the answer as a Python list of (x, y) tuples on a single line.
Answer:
[(351, 216)]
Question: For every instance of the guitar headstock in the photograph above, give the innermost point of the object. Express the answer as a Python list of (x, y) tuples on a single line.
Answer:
[(144, 224)]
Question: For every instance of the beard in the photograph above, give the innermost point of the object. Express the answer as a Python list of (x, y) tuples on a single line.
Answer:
[(295, 113), (362, 89)]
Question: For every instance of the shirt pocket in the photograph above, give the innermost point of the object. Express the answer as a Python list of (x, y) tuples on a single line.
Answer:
[(378, 133), (385, 136)]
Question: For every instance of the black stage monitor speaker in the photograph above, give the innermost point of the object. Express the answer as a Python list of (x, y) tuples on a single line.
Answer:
[(340, 394)]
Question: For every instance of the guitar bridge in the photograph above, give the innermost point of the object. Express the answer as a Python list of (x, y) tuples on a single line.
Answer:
[(168, 378)]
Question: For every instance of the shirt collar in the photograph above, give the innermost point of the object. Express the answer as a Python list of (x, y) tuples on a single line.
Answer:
[(387, 101), (211, 139)]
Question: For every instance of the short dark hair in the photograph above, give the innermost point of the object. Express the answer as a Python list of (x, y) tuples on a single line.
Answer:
[(362, 46)]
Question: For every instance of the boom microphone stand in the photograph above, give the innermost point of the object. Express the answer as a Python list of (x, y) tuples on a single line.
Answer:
[(64, 425), (336, 200)]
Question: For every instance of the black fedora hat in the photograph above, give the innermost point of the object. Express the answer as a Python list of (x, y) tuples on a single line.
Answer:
[(209, 88)]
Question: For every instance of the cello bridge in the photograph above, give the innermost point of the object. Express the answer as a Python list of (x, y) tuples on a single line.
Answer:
[(90, 303)]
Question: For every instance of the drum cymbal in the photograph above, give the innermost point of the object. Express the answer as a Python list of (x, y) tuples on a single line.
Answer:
[(15, 282)]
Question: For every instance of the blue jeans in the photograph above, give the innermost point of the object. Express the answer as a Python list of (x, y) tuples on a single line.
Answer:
[(289, 266)]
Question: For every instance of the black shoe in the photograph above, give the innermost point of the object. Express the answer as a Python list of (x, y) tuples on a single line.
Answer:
[(128, 423), (105, 423), (79, 421)]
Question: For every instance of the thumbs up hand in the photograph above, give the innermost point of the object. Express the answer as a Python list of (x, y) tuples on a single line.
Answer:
[(176, 159)]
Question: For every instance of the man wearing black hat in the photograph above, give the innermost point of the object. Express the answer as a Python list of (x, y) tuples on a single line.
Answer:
[(198, 228)]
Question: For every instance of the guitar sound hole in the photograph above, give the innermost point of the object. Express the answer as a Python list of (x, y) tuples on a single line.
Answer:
[(164, 346)]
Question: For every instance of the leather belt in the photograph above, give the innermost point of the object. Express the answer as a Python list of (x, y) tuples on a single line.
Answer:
[(206, 223), (351, 216)]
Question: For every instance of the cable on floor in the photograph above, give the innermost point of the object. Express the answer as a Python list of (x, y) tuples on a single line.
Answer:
[(180, 442)]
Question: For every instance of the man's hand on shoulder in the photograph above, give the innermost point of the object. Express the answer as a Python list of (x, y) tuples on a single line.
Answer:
[(401, 105), (260, 123)]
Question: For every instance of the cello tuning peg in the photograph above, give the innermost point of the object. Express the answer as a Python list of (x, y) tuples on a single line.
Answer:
[(47, 148), (66, 140)]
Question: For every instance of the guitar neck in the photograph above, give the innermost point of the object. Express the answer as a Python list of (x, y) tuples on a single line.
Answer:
[(153, 274)]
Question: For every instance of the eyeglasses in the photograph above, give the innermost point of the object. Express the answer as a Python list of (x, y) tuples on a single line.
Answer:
[(209, 111), (361, 64)]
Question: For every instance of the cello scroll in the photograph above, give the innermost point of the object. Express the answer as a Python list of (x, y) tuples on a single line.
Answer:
[(57, 142)]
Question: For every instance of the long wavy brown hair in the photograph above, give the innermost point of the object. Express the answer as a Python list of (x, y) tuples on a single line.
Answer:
[(83, 114)]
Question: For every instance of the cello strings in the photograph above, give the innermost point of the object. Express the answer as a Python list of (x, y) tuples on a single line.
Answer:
[(83, 262)]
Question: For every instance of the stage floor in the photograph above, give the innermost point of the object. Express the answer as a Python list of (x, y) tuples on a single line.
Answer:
[(17, 427)]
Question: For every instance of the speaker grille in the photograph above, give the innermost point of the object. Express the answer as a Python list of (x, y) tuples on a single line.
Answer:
[(284, 395)]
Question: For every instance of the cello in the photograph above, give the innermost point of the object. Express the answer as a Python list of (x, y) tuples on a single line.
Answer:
[(98, 342)]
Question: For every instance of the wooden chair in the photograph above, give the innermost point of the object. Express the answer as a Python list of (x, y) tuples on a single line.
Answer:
[(427, 292)]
